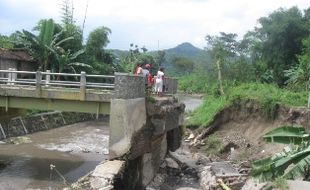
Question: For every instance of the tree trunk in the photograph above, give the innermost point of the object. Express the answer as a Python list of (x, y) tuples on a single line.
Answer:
[(219, 74)]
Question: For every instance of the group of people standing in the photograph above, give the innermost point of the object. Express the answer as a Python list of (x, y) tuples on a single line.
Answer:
[(153, 83)]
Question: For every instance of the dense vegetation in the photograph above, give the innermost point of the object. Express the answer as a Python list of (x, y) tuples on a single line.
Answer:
[(268, 95)]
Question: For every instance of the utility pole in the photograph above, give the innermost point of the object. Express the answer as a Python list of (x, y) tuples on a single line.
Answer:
[(84, 18)]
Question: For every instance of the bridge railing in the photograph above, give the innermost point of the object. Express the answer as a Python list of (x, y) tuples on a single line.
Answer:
[(47, 79)]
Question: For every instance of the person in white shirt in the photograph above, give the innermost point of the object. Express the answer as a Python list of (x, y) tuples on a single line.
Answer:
[(159, 81)]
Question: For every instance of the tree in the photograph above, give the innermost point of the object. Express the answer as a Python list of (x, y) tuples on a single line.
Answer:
[(97, 40), (95, 55), (66, 60), (183, 65), (136, 56), (5, 42), (280, 40), (160, 58), (70, 28), (38, 45), (299, 75), (47, 47), (222, 48)]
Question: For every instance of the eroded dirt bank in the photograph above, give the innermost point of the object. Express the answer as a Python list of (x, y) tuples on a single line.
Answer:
[(225, 149)]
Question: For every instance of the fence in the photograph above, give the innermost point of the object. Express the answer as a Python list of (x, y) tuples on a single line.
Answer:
[(48, 79)]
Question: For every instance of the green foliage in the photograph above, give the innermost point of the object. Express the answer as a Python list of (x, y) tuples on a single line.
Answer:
[(291, 162), (268, 96), (278, 40), (222, 49), (39, 46), (205, 113), (270, 107), (135, 56), (199, 57), (287, 135), (183, 65), (299, 75), (97, 40), (5, 42), (194, 83)]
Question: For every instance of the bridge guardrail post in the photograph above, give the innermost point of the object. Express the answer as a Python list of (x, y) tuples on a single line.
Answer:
[(9, 77), (82, 85), (38, 82), (14, 76), (47, 78)]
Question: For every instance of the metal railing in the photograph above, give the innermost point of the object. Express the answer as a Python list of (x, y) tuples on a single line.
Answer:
[(48, 79)]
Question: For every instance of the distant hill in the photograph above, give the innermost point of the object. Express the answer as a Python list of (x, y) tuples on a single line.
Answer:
[(185, 50), (200, 57)]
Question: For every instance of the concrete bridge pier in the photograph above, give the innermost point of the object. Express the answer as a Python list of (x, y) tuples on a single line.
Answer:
[(127, 112)]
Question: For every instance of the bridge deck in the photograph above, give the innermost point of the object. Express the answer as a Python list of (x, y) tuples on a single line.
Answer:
[(36, 90), (91, 95)]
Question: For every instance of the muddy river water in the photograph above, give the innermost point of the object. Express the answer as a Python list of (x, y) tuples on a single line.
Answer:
[(74, 150)]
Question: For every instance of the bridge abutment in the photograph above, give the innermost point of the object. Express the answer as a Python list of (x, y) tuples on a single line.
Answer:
[(127, 112), (142, 131)]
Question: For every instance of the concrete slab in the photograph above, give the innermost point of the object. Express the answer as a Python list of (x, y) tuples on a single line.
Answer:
[(109, 168), (224, 169)]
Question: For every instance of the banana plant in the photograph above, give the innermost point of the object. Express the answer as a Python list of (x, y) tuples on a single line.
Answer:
[(292, 162), (39, 45)]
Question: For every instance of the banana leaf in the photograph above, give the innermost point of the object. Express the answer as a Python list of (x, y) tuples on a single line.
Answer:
[(287, 135)]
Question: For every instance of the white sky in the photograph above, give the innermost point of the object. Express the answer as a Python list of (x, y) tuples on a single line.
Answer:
[(147, 22)]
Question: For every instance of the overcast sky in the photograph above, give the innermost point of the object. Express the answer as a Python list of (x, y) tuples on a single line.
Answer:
[(149, 23)]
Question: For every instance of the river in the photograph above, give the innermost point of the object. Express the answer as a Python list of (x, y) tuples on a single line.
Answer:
[(74, 150)]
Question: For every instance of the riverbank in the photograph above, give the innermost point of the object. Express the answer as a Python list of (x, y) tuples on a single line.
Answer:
[(226, 148)]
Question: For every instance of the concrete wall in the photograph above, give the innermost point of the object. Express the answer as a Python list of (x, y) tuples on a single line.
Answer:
[(170, 85), (18, 126)]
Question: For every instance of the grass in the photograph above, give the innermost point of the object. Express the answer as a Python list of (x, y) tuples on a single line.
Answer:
[(268, 96)]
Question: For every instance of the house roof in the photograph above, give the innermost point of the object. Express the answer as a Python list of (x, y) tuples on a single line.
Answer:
[(16, 54)]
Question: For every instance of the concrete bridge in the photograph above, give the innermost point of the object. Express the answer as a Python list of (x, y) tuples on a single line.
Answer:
[(142, 130), (75, 92)]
